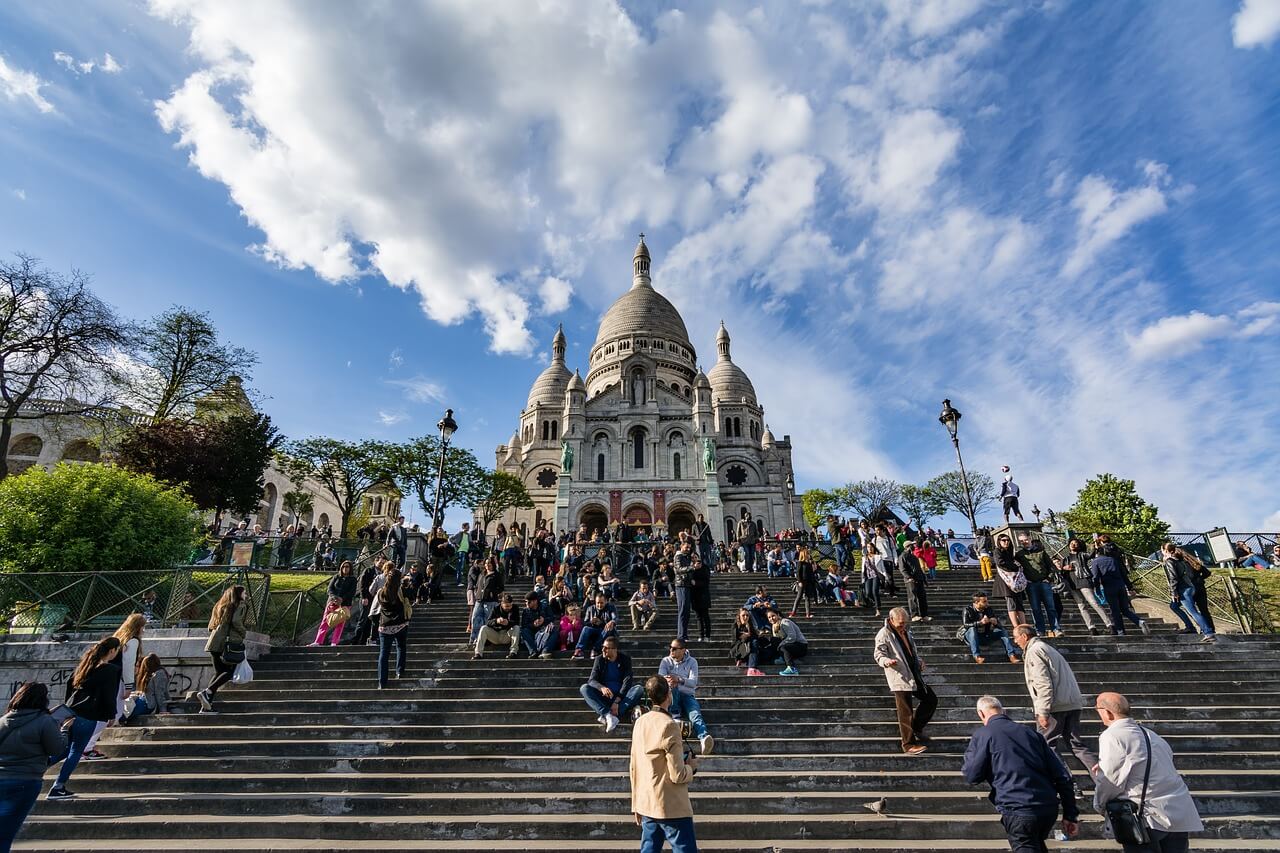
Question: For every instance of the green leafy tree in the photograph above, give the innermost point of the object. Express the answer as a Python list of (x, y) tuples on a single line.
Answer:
[(869, 499), (221, 463), (92, 517), (415, 467), (298, 503), (499, 492), (180, 361), (58, 343), (919, 504), (345, 469), (949, 488), (817, 504), (1108, 504)]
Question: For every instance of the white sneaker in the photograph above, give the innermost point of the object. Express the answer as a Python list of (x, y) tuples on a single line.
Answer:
[(1146, 629), (600, 720), (610, 723), (708, 744), (206, 704)]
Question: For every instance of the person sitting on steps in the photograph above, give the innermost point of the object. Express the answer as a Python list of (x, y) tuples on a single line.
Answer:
[(644, 608), (503, 626), (570, 627), (980, 623), (791, 642), (539, 629), (611, 690), (759, 606), (599, 622), (680, 669)]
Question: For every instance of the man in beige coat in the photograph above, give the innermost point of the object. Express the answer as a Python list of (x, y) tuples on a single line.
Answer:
[(1055, 695), (660, 776)]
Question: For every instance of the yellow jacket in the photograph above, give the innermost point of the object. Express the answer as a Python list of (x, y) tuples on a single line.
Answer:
[(659, 776)]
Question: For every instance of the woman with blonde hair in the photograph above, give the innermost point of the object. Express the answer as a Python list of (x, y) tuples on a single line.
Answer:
[(227, 628)]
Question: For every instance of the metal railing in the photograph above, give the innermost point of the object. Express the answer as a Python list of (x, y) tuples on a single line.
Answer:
[(290, 615), (41, 603), (277, 553)]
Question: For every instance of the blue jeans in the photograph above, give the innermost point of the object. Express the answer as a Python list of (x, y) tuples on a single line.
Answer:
[(544, 639), (385, 641), (592, 639), (1187, 601), (461, 570), (602, 706), (871, 591), (17, 796), (1118, 601), (1253, 561), (685, 706), (677, 830), (81, 730), (480, 614), (842, 553), (1040, 595), (975, 639), (141, 708), (684, 608)]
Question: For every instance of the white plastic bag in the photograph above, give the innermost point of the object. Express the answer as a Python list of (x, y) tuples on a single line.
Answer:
[(243, 673)]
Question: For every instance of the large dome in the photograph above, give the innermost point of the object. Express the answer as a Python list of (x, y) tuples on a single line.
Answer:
[(642, 310), (551, 384)]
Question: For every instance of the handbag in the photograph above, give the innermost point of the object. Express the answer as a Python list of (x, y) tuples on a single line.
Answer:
[(232, 652), (1125, 816)]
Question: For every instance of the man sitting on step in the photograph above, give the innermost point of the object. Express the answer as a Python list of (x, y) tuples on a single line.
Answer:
[(980, 624), (644, 608), (503, 626), (611, 691), (539, 629), (759, 606), (681, 672), (599, 622)]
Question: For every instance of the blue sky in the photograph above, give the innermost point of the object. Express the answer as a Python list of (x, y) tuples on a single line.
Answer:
[(1060, 215)]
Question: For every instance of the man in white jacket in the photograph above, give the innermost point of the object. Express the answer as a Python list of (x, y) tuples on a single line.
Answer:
[(1168, 809)]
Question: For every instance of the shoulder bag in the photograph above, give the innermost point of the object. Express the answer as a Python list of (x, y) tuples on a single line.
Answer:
[(1125, 816)]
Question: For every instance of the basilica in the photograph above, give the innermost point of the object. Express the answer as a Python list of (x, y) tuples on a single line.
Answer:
[(648, 439)]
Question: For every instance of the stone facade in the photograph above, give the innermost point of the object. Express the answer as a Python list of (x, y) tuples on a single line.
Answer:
[(648, 438)]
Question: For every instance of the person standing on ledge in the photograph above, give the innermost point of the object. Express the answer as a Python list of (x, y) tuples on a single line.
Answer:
[(1009, 493), (660, 774), (1027, 778)]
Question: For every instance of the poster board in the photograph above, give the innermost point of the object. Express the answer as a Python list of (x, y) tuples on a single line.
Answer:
[(961, 554), (1220, 545), (242, 554)]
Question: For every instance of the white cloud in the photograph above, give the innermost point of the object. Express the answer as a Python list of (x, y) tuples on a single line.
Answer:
[(107, 65), (16, 84), (1257, 24), (391, 418), (930, 18), (420, 389), (395, 359), (555, 294), (1106, 214), (1183, 334), (913, 150), (18, 193), (1272, 522)]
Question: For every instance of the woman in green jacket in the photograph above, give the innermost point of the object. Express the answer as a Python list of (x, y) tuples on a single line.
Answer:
[(227, 628)]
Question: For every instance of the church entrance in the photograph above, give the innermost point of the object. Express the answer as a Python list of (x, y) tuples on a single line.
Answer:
[(681, 518), (595, 520), (638, 516)]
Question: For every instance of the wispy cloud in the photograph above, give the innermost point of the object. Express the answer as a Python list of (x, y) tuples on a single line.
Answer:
[(1257, 24), (16, 85), (391, 418), (395, 359), (1185, 333), (1106, 214), (106, 65), (420, 389), (18, 193)]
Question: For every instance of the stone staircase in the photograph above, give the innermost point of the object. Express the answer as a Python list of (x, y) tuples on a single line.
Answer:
[(503, 755)]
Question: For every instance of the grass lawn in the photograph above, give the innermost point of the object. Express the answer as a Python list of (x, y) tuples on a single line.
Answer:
[(297, 581), (1268, 584)]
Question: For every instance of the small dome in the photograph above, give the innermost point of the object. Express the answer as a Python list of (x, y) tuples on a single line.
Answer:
[(642, 251), (514, 442), (766, 440), (551, 384), (576, 383), (728, 382), (701, 381)]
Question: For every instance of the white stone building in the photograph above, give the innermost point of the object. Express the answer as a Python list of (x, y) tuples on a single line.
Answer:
[(648, 438)]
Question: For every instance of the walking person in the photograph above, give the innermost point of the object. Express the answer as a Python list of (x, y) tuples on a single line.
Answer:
[(337, 610), (394, 613), (1055, 695), (1109, 575), (1136, 764), (914, 577), (91, 695), (748, 535), (1037, 568), (896, 653), (660, 772), (1180, 569), (887, 550), (806, 583), (873, 575), (1074, 571), (228, 625), (700, 597), (1028, 781), (29, 742)]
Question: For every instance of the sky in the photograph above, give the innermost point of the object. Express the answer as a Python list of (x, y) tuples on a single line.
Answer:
[(1063, 216)]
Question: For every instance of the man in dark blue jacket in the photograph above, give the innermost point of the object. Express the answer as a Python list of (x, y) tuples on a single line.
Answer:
[(1027, 778), (611, 691)]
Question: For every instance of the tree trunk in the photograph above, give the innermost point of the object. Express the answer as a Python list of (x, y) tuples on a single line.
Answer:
[(6, 432)]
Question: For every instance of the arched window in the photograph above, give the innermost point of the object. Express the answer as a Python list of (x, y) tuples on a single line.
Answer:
[(675, 466), (637, 447), (600, 467), (555, 430)]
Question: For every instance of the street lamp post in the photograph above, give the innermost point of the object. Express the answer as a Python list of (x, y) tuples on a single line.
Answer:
[(447, 426), (791, 490), (950, 418)]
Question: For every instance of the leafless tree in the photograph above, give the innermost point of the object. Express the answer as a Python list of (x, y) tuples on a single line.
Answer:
[(58, 346)]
